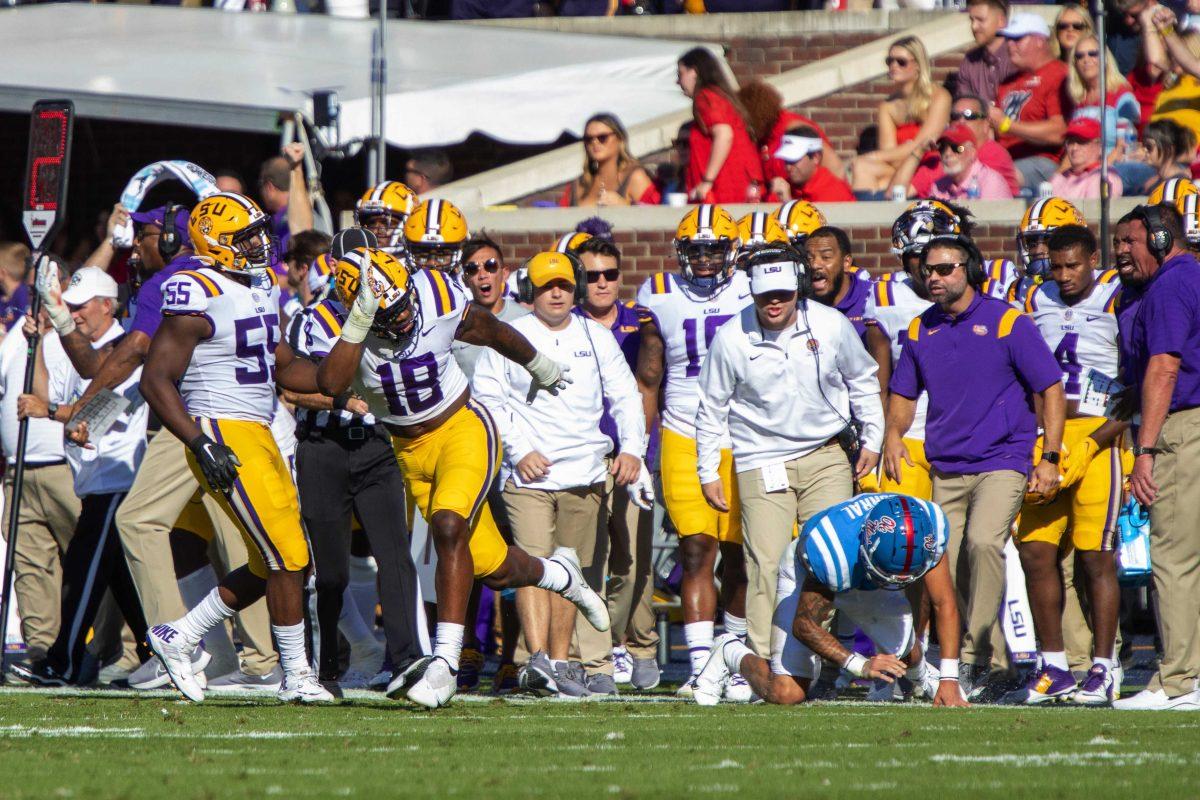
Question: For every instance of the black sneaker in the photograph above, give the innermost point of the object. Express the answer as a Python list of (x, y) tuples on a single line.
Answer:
[(39, 674)]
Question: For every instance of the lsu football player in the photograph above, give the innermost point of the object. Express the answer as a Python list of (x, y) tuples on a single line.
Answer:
[(210, 377), (1171, 191), (1188, 207), (1037, 224), (394, 349), (799, 219), (759, 229), (383, 209), (681, 314), (1074, 310), (854, 557), (434, 235)]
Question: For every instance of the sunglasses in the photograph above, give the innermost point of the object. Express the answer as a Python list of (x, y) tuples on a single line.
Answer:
[(943, 269), (610, 275), (1072, 26), (600, 138), (1082, 54), (958, 148), (899, 61), (491, 267), (966, 114)]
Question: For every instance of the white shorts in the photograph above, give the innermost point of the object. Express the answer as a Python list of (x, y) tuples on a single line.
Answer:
[(884, 616)]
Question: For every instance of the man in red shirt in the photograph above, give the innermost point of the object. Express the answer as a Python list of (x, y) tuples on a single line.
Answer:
[(1028, 117), (801, 150)]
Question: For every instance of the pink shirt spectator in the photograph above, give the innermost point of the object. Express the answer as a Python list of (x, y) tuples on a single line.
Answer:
[(982, 182), (1085, 185), (990, 153)]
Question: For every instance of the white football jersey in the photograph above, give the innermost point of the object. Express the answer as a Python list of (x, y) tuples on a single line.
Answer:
[(232, 372), (688, 321), (1001, 274), (407, 383), (1083, 336), (893, 304)]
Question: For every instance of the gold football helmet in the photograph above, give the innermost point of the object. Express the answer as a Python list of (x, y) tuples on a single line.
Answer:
[(434, 234), (799, 218), (570, 242), (399, 314), (1170, 190), (707, 239), (760, 228), (1039, 221), (382, 210), (1188, 207), (230, 232)]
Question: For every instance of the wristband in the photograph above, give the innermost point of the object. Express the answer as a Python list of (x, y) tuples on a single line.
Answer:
[(855, 664), (339, 402), (1006, 124), (949, 669), (708, 180)]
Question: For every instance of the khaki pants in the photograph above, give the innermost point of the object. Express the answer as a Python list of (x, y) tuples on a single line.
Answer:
[(1175, 552), (630, 587), (543, 520), (815, 482), (980, 509), (45, 525), (161, 490)]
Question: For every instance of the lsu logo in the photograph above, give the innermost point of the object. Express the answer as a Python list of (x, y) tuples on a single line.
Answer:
[(881, 525), (979, 330)]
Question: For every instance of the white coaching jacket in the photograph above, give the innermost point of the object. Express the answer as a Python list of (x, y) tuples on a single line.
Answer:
[(565, 428), (777, 399)]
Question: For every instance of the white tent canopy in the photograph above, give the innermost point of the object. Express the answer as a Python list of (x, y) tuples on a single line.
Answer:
[(207, 68)]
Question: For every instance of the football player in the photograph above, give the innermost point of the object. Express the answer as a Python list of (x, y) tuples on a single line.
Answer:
[(1171, 191), (394, 349), (854, 557), (1188, 207), (799, 219), (1039, 221), (682, 312), (210, 377), (1074, 312), (758, 229), (383, 210), (434, 235)]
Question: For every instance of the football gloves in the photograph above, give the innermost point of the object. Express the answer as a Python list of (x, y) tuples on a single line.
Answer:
[(50, 289), (547, 375), (363, 309), (218, 463), (641, 491)]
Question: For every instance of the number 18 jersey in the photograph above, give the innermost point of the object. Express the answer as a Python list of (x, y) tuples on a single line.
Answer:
[(232, 371), (411, 382), (1083, 336), (688, 321)]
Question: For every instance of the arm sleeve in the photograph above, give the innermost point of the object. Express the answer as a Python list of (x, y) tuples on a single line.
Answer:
[(621, 391), (490, 386), (716, 384), (906, 377), (859, 372), (1032, 357)]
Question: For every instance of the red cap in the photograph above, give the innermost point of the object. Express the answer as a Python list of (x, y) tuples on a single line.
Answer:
[(957, 134), (1086, 128)]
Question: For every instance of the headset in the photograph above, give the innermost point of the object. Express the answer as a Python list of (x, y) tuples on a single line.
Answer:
[(1159, 240), (774, 254), (169, 243), (976, 274), (525, 286)]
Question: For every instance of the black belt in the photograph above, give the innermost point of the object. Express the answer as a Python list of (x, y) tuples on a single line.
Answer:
[(347, 433), (39, 465)]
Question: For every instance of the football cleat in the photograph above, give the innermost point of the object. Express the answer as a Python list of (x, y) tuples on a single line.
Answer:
[(506, 680), (1046, 685), (1099, 688), (428, 682), (594, 609), (39, 674), (646, 674), (996, 687), (709, 683), (538, 676), (622, 665), (151, 675), (238, 682), (737, 689), (470, 664), (303, 687), (168, 644)]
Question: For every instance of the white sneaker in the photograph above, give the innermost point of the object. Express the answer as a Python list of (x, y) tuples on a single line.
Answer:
[(1157, 700), (594, 609), (303, 687), (238, 682), (428, 682), (167, 642), (708, 684), (151, 675), (737, 689), (622, 665)]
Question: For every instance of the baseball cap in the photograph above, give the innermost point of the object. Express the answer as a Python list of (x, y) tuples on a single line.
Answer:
[(1086, 129), (88, 283), (793, 148), (1024, 24), (155, 217), (957, 134), (546, 267), (350, 239), (773, 276)]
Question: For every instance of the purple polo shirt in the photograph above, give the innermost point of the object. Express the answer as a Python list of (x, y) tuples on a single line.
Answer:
[(148, 315), (1129, 300), (854, 304), (13, 307), (1168, 321), (981, 370)]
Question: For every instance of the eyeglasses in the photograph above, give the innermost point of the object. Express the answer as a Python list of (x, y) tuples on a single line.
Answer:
[(491, 267), (942, 269), (1072, 26), (966, 114), (610, 275), (1082, 54), (899, 61), (600, 138), (958, 148)]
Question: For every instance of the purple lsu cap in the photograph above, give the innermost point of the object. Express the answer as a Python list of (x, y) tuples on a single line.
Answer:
[(155, 217)]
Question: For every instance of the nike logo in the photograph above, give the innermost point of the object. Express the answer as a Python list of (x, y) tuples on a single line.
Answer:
[(428, 330), (1090, 318), (752, 358), (932, 331), (743, 296)]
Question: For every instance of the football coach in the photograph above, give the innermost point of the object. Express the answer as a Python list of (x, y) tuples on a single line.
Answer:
[(983, 364)]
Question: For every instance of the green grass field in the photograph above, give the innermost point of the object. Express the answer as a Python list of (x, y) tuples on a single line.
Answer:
[(115, 746)]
